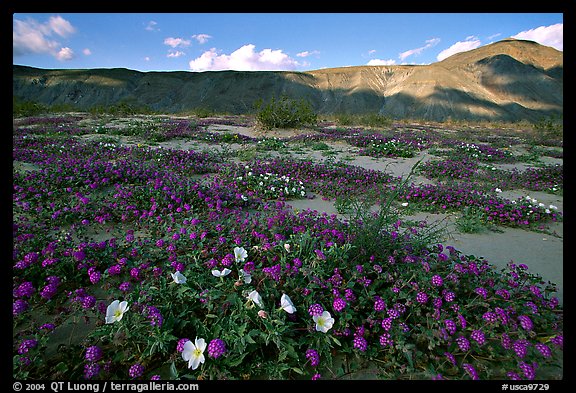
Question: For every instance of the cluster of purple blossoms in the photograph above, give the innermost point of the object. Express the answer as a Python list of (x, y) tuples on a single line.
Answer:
[(26, 289), (470, 370), (421, 297), (93, 353), (19, 306), (313, 357), (360, 343), (136, 371), (478, 336), (481, 292), (520, 347), (216, 348), (94, 275), (450, 358), (387, 323), (463, 343), (525, 322), (51, 288), (339, 304), (154, 316), (544, 350), (315, 310), (528, 370), (385, 339), (273, 271), (450, 326), (437, 280), (180, 345), (26, 345), (490, 317), (379, 304), (91, 370)]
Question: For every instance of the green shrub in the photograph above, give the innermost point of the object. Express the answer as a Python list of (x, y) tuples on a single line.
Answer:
[(285, 112)]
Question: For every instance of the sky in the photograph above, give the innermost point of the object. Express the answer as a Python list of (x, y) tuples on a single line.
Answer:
[(198, 42)]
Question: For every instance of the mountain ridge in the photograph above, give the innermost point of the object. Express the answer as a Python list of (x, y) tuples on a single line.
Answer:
[(509, 80)]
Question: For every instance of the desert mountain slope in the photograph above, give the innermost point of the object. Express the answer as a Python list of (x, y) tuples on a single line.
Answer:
[(509, 80)]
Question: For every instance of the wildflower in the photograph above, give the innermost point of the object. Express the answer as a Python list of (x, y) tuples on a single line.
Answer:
[(315, 310), (93, 353), (136, 371), (324, 322), (193, 352), (450, 326), (26, 345), (240, 254), (379, 304), (525, 322), (313, 357), (339, 304), (216, 348), (520, 348), (246, 276), (316, 376), (287, 304), (437, 280), (528, 370), (387, 323), (360, 343), (470, 370), (478, 336), (463, 343), (178, 278), (180, 345), (91, 370), (262, 314), (544, 350), (221, 273), (421, 297), (450, 358), (256, 298), (19, 306), (386, 340), (116, 310), (489, 317)]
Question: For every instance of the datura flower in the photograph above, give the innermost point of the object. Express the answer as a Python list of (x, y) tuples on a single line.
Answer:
[(193, 352), (287, 304), (324, 322), (221, 273), (246, 276), (256, 298), (240, 254), (178, 277), (116, 310)]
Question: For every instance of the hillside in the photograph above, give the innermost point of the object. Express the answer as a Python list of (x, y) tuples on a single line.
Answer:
[(509, 80)]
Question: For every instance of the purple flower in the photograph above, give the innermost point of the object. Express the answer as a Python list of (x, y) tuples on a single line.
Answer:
[(180, 345), (482, 292), (544, 350), (26, 289), (136, 371), (558, 340), (489, 317), (91, 370), (316, 376), (216, 348), (506, 341), (450, 326), (385, 339), (478, 336), (463, 343), (315, 310), (387, 323), (339, 304), (19, 306), (421, 297), (470, 370), (525, 322), (521, 348), (26, 345), (360, 343), (450, 358), (437, 280), (528, 370), (513, 376), (313, 357), (379, 304), (93, 353)]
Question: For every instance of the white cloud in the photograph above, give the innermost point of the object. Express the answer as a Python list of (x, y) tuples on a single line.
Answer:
[(429, 43), (371, 52), (552, 35), (65, 54), (307, 53), (244, 59), (175, 54), (151, 26), (87, 52), (376, 62), (470, 43), (33, 37), (177, 42), (491, 37), (201, 38), (147, 58)]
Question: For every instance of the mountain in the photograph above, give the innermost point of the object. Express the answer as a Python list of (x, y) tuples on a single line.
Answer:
[(509, 80)]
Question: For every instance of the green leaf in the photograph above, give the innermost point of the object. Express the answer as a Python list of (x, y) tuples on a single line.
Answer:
[(173, 371), (211, 316), (336, 341), (297, 370)]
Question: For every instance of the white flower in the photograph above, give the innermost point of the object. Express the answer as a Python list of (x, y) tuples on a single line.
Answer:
[(256, 298), (240, 254), (287, 246), (287, 304), (498, 190), (116, 310), (553, 207), (405, 204), (247, 276), (324, 322), (193, 352), (178, 277), (221, 273), (244, 198)]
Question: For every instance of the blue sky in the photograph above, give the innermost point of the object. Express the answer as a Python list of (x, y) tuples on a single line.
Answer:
[(264, 41)]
